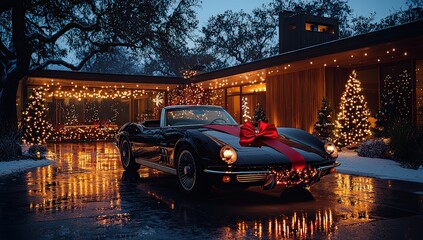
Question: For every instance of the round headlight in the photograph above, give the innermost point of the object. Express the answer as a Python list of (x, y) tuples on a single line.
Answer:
[(228, 154), (331, 149)]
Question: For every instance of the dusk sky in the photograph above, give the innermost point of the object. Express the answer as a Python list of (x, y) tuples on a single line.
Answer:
[(360, 7)]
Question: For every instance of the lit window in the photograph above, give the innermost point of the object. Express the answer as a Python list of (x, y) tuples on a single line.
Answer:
[(318, 27)]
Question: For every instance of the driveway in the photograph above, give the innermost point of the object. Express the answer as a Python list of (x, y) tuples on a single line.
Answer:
[(87, 195)]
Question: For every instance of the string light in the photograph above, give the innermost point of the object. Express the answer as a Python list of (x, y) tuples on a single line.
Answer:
[(36, 129), (324, 126), (194, 94), (352, 125), (419, 96), (396, 101), (189, 73), (245, 109)]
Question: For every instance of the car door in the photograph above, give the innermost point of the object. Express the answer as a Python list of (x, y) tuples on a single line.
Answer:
[(168, 139), (145, 143)]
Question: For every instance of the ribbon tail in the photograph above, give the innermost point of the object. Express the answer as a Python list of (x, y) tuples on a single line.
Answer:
[(298, 161)]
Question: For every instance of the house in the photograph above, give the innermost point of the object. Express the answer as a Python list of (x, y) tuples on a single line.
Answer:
[(290, 86)]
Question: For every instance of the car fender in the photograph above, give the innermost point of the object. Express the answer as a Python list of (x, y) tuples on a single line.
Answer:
[(179, 144)]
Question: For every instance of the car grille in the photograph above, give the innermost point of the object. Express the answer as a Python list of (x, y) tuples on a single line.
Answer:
[(245, 178), (289, 177)]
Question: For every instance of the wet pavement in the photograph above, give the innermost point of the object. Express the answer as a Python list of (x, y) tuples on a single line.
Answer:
[(87, 195)]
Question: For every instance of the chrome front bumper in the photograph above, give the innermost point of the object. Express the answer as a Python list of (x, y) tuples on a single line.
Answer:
[(270, 177)]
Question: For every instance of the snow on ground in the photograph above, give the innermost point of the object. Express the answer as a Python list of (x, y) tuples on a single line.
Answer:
[(377, 167), (10, 167), (350, 164)]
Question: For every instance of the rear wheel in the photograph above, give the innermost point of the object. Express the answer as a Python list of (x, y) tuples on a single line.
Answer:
[(128, 160), (190, 174)]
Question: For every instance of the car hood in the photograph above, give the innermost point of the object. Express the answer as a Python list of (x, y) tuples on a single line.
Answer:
[(266, 155)]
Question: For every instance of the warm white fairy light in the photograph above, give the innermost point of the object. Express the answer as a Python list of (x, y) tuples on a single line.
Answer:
[(245, 110), (352, 125), (158, 99), (105, 92), (35, 126), (396, 99), (192, 94)]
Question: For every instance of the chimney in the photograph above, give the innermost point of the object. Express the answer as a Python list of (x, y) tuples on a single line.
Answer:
[(299, 30)]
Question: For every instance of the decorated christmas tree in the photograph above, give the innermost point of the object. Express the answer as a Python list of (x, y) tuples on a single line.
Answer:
[(35, 127), (92, 112), (259, 115), (191, 94), (245, 110), (324, 127), (71, 115), (396, 102), (352, 125)]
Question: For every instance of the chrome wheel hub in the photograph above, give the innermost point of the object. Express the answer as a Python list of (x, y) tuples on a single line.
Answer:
[(186, 171)]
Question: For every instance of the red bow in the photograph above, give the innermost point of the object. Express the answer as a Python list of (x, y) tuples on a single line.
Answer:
[(249, 137)]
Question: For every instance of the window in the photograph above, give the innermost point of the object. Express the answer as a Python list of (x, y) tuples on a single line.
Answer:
[(369, 79), (396, 90), (233, 91), (319, 27)]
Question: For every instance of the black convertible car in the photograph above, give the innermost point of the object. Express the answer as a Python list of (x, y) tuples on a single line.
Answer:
[(204, 146)]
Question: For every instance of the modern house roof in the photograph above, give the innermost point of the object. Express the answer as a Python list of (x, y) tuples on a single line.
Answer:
[(81, 78), (405, 40), (409, 36)]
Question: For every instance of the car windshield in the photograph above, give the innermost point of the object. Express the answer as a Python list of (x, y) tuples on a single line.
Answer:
[(198, 116)]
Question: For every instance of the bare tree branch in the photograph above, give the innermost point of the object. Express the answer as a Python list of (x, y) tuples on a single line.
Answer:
[(35, 24), (101, 48), (53, 38), (8, 54), (64, 63)]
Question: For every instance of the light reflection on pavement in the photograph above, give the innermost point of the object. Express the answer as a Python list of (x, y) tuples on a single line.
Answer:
[(86, 194)]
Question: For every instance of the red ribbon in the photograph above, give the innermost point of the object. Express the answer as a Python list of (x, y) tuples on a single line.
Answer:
[(267, 135), (249, 137)]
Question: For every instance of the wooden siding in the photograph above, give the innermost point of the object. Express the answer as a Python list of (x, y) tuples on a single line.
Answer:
[(335, 81), (294, 99)]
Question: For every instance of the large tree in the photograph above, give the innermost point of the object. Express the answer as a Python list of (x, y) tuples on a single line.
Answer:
[(161, 63), (412, 12), (36, 34), (240, 37), (118, 60)]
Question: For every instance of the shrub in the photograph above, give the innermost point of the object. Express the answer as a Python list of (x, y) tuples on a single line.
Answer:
[(10, 148), (374, 149), (407, 144), (34, 149)]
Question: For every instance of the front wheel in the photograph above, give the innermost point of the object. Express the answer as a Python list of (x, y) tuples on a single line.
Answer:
[(128, 160), (191, 179)]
